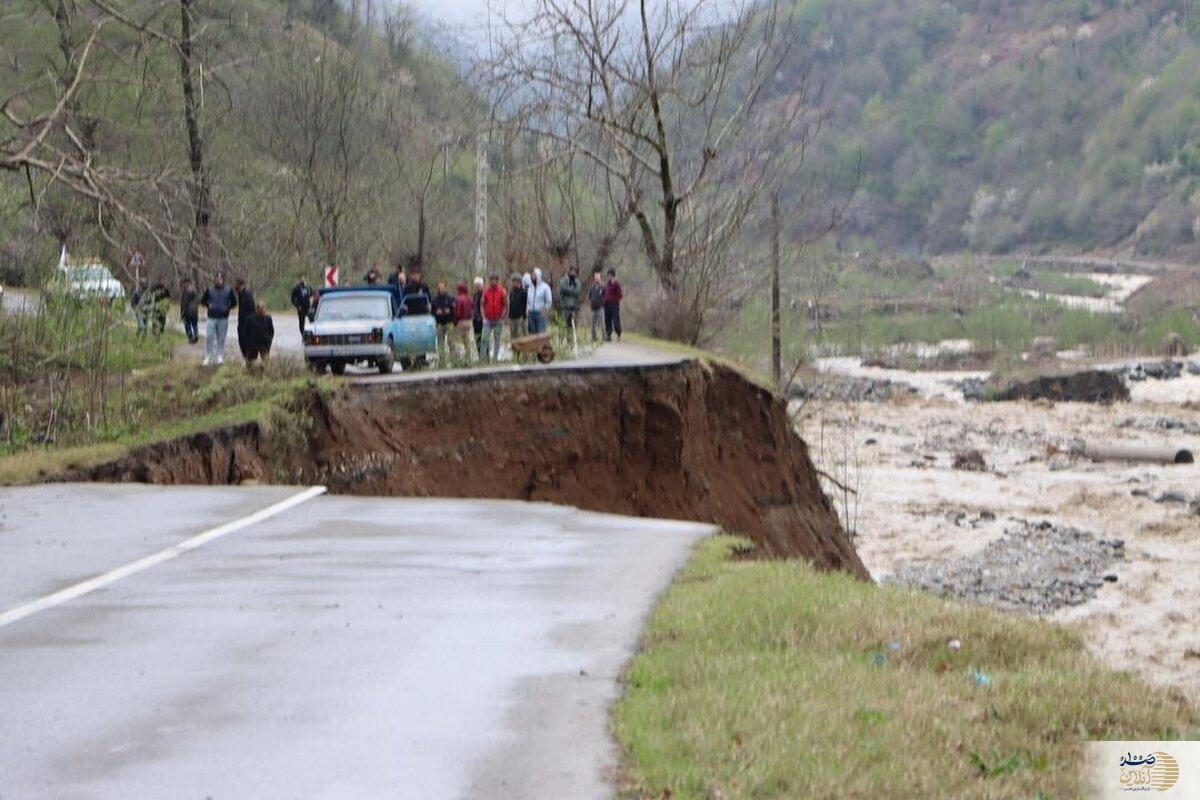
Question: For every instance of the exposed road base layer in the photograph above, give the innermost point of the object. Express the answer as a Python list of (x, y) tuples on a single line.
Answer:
[(683, 441)]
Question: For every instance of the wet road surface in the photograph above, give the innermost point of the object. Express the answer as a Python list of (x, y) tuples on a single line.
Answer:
[(344, 647)]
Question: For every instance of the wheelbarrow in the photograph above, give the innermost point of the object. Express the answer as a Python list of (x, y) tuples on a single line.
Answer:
[(538, 344)]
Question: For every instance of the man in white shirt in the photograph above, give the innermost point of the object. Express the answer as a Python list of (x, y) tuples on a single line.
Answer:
[(540, 301)]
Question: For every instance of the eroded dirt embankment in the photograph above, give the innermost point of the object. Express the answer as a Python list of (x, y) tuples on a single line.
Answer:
[(685, 441)]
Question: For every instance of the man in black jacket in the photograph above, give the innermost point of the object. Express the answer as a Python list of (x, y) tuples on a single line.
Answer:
[(246, 310), (260, 333), (516, 307), (189, 310), (443, 315), (302, 295), (415, 283)]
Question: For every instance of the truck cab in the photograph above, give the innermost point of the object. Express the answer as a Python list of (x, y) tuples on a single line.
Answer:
[(369, 325)]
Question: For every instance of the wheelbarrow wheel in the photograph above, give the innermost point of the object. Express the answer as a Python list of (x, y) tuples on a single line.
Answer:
[(546, 354)]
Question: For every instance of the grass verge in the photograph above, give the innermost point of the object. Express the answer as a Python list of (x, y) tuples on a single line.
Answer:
[(769, 679), (167, 402), (706, 356)]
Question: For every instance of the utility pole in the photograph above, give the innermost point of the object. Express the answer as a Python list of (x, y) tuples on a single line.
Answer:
[(481, 204), (776, 322)]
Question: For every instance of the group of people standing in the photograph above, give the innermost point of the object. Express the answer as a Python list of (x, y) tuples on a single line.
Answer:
[(470, 323), (255, 328), (483, 312), (150, 304)]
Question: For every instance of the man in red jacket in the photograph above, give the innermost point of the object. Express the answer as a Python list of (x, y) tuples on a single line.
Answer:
[(613, 295), (495, 309)]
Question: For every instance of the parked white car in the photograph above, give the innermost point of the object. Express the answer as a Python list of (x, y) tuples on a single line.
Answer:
[(85, 279)]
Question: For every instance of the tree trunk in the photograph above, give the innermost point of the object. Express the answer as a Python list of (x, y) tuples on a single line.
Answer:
[(421, 230), (776, 321), (201, 191)]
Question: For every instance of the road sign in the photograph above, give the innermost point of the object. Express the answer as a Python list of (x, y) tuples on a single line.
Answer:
[(331, 276)]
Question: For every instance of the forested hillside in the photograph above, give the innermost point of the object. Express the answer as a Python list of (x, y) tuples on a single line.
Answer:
[(997, 125), (264, 136)]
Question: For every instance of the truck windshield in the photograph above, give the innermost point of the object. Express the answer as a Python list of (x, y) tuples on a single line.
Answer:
[(347, 307)]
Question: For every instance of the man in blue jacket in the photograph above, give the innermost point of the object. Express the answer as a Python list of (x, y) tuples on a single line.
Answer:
[(219, 299)]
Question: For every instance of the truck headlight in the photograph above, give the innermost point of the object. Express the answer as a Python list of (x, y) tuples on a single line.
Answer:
[(377, 335)]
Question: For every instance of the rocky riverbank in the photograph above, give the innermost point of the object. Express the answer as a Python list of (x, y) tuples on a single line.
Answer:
[(1036, 567)]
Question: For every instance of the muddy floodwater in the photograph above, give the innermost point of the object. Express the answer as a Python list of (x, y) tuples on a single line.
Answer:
[(914, 508)]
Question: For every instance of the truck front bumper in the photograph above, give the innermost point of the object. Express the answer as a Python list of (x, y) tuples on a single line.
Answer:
[(347, 352)]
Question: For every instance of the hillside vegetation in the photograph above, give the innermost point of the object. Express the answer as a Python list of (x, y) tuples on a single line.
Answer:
[(1000, 124), (327, 136)]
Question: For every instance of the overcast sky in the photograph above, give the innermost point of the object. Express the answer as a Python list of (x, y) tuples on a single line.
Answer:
[(462, 12)]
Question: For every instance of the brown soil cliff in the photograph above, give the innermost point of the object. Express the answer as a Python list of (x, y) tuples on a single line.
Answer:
[(685, 441)]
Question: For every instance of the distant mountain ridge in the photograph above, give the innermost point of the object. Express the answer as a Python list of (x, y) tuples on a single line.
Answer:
[(999, 125)]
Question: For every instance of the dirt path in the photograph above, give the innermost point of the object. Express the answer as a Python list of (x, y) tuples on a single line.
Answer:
[(1119, 288), (915, 507)]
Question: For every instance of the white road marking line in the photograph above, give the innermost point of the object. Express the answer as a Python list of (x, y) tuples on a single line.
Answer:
[(142, 564)]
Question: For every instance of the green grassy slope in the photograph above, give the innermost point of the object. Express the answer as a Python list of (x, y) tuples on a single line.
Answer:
[(771, 680)]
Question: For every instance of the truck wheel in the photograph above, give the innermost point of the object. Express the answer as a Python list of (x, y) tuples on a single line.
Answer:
[(546, 354), (406, 363), (338, 367), (386, 364)]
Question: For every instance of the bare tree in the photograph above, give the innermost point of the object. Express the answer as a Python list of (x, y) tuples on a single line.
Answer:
[(55, 141), (658, 98), (421, 150), (776, 312), (315, 112), (819, 276), (200, 186)]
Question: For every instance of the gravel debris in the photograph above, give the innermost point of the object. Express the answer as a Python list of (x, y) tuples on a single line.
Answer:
[(843, 389), (1162, 424), (1034, 567)]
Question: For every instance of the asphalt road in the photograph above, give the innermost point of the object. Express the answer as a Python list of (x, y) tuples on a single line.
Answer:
[(288, 344), (342, 648), (18, 301)]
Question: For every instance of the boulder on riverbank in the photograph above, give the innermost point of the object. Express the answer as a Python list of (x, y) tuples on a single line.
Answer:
[(1091, 386)]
